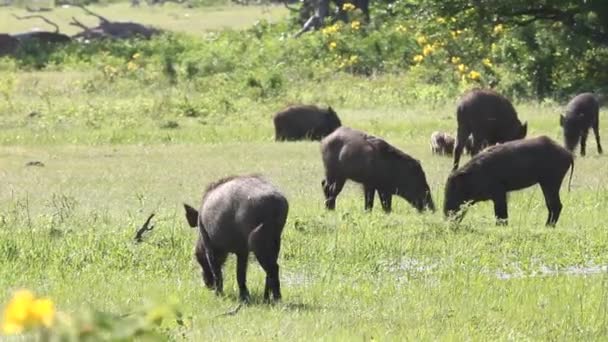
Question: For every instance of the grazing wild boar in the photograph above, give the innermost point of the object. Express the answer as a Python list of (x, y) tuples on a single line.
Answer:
[(305, 122), (239, 214), (490, 118), (442, 143), (506, 167), (582, 113), (351, 154)]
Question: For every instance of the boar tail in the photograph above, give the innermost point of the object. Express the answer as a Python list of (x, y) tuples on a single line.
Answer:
[(571, 172)]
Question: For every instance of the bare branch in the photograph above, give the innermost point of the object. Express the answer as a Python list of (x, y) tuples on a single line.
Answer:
[(48, 21), (293, 9), (145, 228), (88, 11), (77, 23)]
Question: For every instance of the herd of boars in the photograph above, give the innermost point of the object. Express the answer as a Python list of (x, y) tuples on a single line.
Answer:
[(239, 214)]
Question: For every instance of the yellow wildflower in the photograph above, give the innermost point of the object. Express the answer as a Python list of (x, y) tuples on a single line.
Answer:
[(348, 7), (355, 25), (441, 20), (487, 62), (462, 68), (474, 75), (428, 49), (331, 29), (353, 59), (136, 55), (418, 58), (332, 45), (421, 40), (132, 66), (455, 60), (493, 47), (498, 28), (401, 29), (24, 312)]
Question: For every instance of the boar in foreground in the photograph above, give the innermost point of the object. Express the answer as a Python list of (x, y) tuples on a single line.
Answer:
[(305, 122), (514, 165), (239, 214), (490, 118), (352, 154), (582, 113), (442, 143)]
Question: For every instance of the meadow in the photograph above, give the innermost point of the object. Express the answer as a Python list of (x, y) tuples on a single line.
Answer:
[(114, 152)]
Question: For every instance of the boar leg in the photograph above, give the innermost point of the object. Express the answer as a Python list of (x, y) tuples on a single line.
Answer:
[(552, 200), (596, 133), (241, 276), (216, 260), (266, 247), (461, 141), (207, 273), (500, 208), (332, 188), (386, 199), (369, 193), (584, 134)]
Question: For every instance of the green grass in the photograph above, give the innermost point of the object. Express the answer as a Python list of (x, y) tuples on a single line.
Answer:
[(169, 17), (112, 157), (66, 231)]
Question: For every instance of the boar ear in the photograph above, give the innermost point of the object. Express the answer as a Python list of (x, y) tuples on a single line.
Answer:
[(191, 215), (561, 120), (331, 110)]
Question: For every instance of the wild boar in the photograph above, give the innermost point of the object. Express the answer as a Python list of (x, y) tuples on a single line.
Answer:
[(582, 113), (351, 154), (510, 166), (240, 214), (442, 143), (305, 122), (489, 117)]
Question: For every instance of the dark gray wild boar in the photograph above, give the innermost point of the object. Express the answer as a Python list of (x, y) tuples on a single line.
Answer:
[(582, 113), (442, 143), (351, 154), (506, 167), (240, 214), (305, 122), (490, 118)]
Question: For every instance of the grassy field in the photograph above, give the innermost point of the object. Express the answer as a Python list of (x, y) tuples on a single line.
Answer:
[(170, 17), (114, 152)]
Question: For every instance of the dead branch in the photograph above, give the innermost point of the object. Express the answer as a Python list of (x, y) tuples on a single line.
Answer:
[(231, 312), (88, 11), (48, 21), (77, 23), (145, 228), (292, 9)]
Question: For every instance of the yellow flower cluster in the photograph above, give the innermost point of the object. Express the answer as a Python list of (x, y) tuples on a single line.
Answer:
[(421, 40), (355, 25), (455, 60), (332, 45), (401, 29), (348, 7), (136, 55), (487, 62), (25, 312), (498, 29), (131, 66), (108, 69), (331, 29), (441, 20), (456, 33), (462, 68), (474, 75), (349, 61), (418, 58), (428, 49)]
